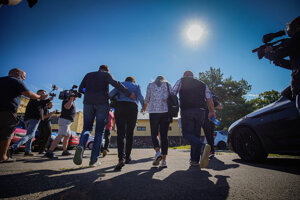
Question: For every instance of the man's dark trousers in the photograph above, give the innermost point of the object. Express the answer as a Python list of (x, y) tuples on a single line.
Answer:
[(192, 120)]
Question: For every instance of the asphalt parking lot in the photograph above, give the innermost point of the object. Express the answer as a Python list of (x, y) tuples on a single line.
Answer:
[(226, 177)]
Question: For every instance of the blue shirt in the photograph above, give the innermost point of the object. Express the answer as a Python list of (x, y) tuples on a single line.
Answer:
[(133, 88)]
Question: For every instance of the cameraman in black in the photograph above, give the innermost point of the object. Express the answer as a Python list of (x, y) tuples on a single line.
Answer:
[(291, 48), (68, 113)]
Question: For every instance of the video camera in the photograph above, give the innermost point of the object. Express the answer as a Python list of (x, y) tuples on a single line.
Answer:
[(267, 40), (66, 94)]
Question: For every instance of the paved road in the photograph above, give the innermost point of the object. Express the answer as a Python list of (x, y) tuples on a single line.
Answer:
[(225, 178)]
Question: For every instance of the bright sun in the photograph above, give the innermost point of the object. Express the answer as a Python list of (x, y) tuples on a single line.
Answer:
[(194, 32)]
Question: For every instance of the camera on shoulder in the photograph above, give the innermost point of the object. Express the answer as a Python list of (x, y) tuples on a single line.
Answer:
[(66, 94)]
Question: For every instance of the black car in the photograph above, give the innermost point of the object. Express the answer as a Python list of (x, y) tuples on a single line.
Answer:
[(272, 129)]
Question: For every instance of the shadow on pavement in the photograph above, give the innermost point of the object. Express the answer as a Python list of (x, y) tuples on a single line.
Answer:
[(140, 184), (288, 165), (219, 165)]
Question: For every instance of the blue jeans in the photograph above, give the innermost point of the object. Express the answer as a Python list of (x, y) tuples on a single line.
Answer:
[(192, 120), (31, 127), (90, 112)]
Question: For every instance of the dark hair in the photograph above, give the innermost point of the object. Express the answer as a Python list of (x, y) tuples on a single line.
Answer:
[(15, 72), (41, 91), (130, 79), (104, 68)]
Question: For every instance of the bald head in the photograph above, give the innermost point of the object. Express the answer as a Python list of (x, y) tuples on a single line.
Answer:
[(17, 73), (188, 74)]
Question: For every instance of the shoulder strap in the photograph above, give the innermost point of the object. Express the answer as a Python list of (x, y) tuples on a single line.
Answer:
[(168, 88)]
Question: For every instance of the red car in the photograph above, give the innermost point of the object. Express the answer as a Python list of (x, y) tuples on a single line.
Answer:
[(18, 134)]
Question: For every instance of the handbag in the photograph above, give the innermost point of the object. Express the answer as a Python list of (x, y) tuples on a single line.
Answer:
[(173, 105)]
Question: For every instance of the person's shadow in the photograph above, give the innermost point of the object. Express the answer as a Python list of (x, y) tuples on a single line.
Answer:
[(219, 165), (142, 184)]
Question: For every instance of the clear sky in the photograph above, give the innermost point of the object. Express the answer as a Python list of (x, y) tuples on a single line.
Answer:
[(59, 41)]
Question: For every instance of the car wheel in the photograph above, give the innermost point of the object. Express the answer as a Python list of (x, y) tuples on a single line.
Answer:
[(221, 145), (248, 146), (90, 145)]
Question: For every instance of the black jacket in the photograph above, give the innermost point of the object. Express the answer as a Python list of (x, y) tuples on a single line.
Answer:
[(96, 87), (35, 109)]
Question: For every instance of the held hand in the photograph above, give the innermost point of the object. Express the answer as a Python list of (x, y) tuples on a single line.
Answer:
[(51, 98), (132, 96), (53, 112), (211, 114)]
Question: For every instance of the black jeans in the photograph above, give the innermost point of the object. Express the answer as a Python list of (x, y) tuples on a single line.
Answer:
[(191, 121), (44, 135), (209, 128), (159, 122), (107, 139), (125, 116)]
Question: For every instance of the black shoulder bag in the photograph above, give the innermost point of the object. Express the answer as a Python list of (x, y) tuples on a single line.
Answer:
[(173, 105)]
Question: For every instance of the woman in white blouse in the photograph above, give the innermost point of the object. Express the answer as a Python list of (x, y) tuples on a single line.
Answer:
[(156, 105)]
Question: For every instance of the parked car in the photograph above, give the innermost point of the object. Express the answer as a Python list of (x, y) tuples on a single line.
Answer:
[(18, 134), (220, 139), (272, 129), (73, 141), (90, 142)]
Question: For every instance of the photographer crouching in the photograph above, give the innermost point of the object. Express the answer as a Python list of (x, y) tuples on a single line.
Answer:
[(68, 113), (290, 47)]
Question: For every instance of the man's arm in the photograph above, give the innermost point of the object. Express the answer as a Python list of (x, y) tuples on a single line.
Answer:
[(210, 103), (120, 87), (283, 63), (176, 87), (82, 85), (140, 96), (31, 95), (69, 103)]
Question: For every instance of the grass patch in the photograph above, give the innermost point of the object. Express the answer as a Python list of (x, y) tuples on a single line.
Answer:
[(283, 156), (181, 147)]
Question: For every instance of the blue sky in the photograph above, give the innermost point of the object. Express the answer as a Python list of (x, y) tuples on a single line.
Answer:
[(59, 41)]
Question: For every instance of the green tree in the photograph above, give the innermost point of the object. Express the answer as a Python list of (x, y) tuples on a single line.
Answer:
[(265, 98), (231, 94)]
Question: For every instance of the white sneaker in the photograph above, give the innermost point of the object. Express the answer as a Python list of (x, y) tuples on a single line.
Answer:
[(163, 164), (157, 158), (205, 156)]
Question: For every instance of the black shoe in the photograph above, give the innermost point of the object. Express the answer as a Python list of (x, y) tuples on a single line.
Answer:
[(211, 155), (127, 160), (28, 154), (51, 155), (66, 153), (10, 152), (42, 152), (119, 165)]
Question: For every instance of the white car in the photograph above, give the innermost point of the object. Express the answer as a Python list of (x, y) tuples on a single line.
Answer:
[(220, 139)]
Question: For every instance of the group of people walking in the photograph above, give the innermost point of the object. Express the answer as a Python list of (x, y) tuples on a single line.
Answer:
[(195, 99), (196, 105)]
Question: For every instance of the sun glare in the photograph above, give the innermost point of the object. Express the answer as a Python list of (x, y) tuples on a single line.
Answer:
[(194, 32)]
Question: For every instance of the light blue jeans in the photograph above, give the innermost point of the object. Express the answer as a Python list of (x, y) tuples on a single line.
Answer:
[(31, 127), (90, 112)]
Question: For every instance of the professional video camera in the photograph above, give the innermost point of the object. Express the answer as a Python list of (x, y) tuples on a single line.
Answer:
[(267, 40), (54, 87), (66, 94)]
